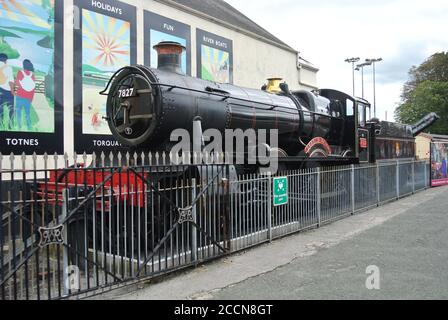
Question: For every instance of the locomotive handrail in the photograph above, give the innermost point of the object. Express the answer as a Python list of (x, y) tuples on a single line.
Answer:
[(210, 89), (272, 107), (225, 97), (103, 93)]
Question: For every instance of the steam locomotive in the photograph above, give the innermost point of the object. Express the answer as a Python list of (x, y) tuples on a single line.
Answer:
[(324, 127), (144, 106)]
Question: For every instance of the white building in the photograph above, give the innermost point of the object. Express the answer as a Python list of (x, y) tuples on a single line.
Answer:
[(73, 61)]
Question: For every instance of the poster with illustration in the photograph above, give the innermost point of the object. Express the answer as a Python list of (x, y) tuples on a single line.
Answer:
[(104, 43), (439, 164), (31, 76), (106, 48), (158, 29), (215, 57)]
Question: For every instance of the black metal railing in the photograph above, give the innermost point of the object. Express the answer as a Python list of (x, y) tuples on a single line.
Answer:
[(69, 231), (105, 221)]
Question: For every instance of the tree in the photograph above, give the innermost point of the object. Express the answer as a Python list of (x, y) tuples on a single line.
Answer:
[(6, 34), (5, 47), (9, 51), (425, 92)]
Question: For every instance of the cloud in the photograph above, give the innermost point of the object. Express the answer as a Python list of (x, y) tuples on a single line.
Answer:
[(397, 66), (326, 32)]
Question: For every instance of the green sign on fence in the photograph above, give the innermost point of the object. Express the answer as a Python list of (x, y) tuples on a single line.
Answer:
[(280, 191)]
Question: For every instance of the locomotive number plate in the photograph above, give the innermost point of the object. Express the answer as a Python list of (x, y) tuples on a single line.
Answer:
[(127, 93)]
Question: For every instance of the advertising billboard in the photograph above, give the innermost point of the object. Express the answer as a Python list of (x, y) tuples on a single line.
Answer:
[(105, 41), (31, 80), (439, 159), (214, 57), (158, 29)]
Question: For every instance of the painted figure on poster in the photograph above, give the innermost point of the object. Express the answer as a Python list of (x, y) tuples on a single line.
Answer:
[(439, 163), (27, 80), (25, 91), (6, 92)]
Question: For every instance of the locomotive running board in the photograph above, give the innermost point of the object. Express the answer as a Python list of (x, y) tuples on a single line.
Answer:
[(327, 159)]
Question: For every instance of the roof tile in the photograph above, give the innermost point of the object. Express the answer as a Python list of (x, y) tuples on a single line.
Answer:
[(221, 10)]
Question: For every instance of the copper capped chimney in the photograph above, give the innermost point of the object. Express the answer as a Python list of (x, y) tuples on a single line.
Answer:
[(170, 56)]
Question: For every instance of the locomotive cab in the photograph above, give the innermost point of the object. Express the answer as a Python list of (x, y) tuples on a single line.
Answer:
[(355, 132), (364, 130)]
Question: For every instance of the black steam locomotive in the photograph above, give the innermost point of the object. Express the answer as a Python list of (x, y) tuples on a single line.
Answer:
[(322, 127)]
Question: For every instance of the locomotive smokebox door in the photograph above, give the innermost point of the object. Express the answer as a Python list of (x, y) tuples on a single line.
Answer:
[(131, 106)]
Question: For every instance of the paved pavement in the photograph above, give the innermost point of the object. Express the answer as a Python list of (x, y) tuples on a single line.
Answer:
[(407, 240)]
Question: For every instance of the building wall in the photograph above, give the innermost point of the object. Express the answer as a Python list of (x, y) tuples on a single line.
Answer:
[(423, 148), (308, 78), (254, 60)]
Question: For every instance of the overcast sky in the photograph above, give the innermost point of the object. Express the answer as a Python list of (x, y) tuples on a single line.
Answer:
[(326, 32)]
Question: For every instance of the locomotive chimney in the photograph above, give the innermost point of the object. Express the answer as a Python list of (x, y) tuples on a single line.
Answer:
[(170, 56)]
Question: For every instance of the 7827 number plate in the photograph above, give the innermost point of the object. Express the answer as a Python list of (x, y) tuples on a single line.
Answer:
[(127, 93)]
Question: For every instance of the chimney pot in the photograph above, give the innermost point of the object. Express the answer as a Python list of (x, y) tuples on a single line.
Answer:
[(170, 56)]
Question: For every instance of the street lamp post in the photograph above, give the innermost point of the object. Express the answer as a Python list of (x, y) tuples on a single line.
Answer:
[(373, 62), (360, 67), (353, 61)]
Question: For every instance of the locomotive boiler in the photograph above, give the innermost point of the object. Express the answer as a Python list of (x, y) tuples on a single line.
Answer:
[(146, 105)]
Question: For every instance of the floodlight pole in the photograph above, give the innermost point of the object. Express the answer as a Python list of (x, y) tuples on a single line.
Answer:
[(353, 61), (361, 67), (373, 62)]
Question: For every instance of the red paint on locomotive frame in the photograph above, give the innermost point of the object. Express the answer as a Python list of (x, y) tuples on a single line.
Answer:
[(318, 141), (120, 187)]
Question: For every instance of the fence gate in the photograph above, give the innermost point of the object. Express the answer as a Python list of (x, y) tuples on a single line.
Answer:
[(97, 228)]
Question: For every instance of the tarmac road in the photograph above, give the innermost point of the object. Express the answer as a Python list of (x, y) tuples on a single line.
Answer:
[(407, 240), (410, 250)]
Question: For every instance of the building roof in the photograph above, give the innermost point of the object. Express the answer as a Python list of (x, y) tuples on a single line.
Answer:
[(308, 65), (435, 137), (439, 138), (221, 10)]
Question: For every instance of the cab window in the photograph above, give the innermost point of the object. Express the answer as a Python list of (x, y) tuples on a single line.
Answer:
[(350, 108), (362, 115)]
